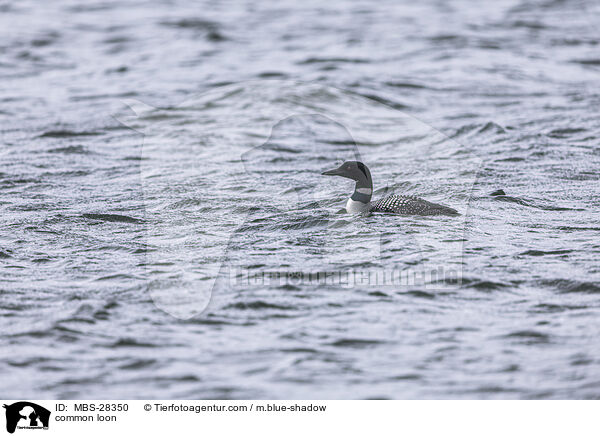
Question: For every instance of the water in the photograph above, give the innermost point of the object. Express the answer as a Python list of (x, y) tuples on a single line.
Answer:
[(158, 162)]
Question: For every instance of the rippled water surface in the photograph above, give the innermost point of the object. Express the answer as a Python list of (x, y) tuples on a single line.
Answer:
[(160, 165)]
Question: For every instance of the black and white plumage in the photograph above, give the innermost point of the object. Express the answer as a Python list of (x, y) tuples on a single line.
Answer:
[(360, 201), (410, 205)]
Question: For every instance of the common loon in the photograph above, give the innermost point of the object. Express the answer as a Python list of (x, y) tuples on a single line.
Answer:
[(360, 201)]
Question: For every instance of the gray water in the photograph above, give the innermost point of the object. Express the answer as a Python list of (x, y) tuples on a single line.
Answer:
[(160, 159)]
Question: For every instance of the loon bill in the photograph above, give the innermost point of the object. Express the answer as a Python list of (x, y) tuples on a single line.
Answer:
[(360, 201)]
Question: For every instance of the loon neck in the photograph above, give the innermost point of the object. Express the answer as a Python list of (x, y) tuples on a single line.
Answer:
[(361, 198), (363, 189), (362, 194)]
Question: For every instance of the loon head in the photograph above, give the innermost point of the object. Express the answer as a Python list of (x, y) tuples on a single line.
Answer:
[(354, 170), (357, 171)]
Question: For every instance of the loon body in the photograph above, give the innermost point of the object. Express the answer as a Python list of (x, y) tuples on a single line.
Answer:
[(360, 201)]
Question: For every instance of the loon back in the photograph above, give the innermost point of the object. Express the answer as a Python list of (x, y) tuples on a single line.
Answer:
[(410, 205), (360, 201)]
